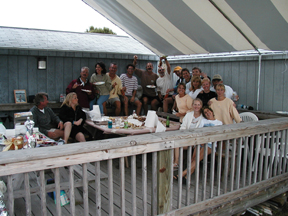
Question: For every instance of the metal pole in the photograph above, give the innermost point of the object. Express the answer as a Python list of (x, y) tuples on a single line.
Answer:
[(259, 74)]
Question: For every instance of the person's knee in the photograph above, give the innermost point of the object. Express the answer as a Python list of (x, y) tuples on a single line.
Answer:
[(67, 124), (117, 104)]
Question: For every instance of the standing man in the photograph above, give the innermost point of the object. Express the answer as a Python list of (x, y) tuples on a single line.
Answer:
[(83, 88), (148, 83), (116, 90), (46, 120), (164, 82), (129, 89)]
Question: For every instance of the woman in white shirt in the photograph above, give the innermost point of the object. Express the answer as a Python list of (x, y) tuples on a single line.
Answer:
[(191, 120), (208, 121), (194, 87)]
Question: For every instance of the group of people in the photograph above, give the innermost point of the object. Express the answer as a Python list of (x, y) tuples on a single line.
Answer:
[(187, 95)]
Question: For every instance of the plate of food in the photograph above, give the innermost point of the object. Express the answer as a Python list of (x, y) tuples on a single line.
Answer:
[(282, 112), (151, 86), (86, 90), (99, 83)]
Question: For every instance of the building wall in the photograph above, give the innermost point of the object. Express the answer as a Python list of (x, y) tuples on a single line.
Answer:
[(241, 73), (18, 70)]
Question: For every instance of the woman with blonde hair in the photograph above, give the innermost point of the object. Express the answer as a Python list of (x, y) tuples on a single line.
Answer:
[(223, 107), (193, 88), (70, 111)]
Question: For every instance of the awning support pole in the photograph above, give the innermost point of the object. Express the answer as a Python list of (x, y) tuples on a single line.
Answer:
[(259, 76)]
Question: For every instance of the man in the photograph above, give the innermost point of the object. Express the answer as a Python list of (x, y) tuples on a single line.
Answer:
[(46, 120), (129, 89), (229, 93), (170, 100), (196, 71), (116, 90), (83, 88), (164, 82), (148, 83)]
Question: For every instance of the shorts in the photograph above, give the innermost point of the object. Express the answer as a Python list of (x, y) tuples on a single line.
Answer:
[(151, 98), (77, 129), (129, 97), (112, 100)]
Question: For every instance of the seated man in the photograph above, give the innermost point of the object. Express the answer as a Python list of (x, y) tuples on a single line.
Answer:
[(83, 88), (46, 120), (129, 89), (148, 83), (116, 89)]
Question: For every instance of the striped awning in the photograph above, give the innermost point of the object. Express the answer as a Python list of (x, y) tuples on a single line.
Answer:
[(181, 27)]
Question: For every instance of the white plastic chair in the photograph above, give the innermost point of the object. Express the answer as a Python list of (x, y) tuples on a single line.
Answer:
[(248, 116)]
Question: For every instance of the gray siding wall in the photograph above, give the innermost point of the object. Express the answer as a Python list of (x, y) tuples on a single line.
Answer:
[(18, 70), (241, 73)]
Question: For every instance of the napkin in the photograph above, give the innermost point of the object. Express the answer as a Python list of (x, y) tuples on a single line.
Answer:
[(95, 113), (160, 127), (151, 119)]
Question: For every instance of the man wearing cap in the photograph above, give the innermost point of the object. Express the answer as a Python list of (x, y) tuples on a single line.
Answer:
[(170, 100), (217, 79)]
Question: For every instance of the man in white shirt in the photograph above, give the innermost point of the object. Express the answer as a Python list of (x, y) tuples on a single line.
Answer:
[(229, 93)]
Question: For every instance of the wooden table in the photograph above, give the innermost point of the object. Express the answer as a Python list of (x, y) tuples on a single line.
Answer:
[(130, 131)]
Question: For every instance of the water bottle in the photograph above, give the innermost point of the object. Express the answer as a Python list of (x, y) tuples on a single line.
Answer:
[(29, 124), (167, 122), (242, 106), (2, 133)]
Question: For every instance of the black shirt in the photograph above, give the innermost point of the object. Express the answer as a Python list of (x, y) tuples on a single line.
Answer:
[(205, 97)]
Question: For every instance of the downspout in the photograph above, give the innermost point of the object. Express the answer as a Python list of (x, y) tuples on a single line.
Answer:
[(259, 76)]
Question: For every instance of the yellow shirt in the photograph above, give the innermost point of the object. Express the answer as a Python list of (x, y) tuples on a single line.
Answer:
[(117, 89)]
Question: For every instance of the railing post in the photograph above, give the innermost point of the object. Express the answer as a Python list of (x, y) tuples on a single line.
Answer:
[(164, 161)]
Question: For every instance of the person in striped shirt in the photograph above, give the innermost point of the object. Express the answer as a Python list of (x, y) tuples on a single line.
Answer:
[(129, 89)]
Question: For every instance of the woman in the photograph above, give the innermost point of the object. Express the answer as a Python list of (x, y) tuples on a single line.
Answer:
[(70, 111), (193, 88), (206, 95), (183, 102), (191, 120), (102, 83), (224, 107)]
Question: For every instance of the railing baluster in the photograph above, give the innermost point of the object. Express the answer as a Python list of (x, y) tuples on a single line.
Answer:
[(226, 165), (72, 190), (144, 183), (260, 176), (238, 164), (57, 190), (212, 169), (188, 181), (97, 188), (154, 184), (251, 161), (110, 186), (197, 174), (10, 195), (256, 158), (277, 143), (266, 167), (172, 179), (233, 157), (272, 155), (245, 156), (281, 152), (133, 185), (204, 172), (27, 194), (85, 189), (122, 185), (219, 168), (180, 172), (285, 167)]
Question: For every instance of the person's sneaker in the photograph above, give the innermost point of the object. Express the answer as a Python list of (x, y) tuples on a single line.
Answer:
[(61, 142)]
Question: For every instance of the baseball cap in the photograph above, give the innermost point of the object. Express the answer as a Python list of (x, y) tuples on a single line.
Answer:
[(217, 77)]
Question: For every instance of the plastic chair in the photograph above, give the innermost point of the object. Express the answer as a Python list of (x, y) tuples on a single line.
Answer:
[(248, 116)]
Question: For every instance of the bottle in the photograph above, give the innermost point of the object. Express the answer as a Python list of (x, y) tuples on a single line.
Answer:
[(166, 95), (242, 106), (134, 114), (2, 133), (29, 124), (167, 122), (126, 124)]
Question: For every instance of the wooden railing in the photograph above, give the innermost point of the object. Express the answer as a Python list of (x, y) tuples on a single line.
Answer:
[(241, 169)]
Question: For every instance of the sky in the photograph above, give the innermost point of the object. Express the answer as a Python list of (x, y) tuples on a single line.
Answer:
[(63, 15)]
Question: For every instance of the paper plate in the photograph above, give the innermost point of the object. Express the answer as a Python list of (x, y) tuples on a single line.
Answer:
[(282, 112), (98, 83), (86, 90), (151, 86)]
